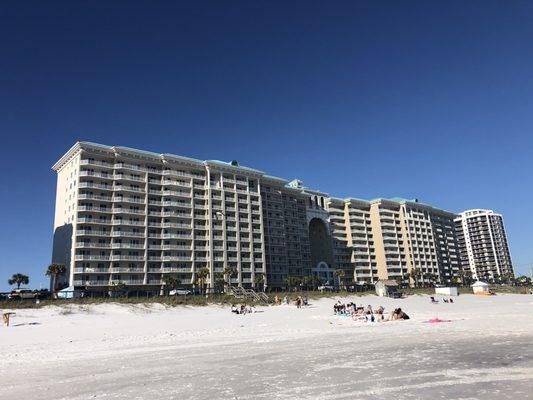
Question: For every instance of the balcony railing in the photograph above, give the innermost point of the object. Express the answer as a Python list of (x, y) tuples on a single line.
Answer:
[(127, 234), (85, 257), (127, 246), (97, 163), (93, 245), (126, 257)]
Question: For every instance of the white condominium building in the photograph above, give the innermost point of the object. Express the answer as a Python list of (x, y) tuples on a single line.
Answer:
[(483, 244), (130, 216)]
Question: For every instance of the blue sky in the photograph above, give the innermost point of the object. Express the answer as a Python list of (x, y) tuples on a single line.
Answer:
[(350, 97)]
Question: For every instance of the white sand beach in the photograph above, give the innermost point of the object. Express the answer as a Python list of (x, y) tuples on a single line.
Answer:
[(116, 351)]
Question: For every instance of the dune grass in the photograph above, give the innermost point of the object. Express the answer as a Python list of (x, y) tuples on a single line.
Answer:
[(226, 299)]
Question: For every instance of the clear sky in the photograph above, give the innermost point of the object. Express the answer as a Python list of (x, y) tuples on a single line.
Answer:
[(425, 99)]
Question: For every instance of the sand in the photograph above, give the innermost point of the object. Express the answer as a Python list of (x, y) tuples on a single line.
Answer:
[(112, 351)]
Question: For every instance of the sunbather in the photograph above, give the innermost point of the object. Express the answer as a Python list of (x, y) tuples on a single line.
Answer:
[(399, 314)]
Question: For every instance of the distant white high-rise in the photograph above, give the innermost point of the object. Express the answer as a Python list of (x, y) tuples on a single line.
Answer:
[(483, 244)]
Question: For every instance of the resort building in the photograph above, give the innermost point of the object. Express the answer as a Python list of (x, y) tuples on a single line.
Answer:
[(388, 239), (483, 244), (133, 217), (130, 216)]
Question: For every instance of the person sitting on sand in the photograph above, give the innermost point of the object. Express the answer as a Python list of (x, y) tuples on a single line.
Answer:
[(399, 314), (369, 310), (451, 300), (243, 309), (306, 301), (286, 300), (297, 302), (234, 309), (277, 300), (433, 299)]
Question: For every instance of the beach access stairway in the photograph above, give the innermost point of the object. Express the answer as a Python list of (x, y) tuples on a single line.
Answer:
[(249, 294)]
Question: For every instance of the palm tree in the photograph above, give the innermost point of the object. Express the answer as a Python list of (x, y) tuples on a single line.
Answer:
[(259, 279), (19, 279), (460, 277), (219, 281), (416, 274), (118, 289), (524, 280), (339, 273), (229, 273), (171, 282), (308, 281), (508, 278), (202, 274), (468, 278), (293, 282), (406, 277), (53, 271)]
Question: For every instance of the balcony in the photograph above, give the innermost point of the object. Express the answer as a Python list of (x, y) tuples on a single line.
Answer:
[(126, 257), (95, 186), (127, 269), (169, 172), (85, 257), (93, 245), (127, 282), (127, 246), (86, 196), (176, 204), (123, 188), (89, 232), (89, 270), (96, 174), (96, 163), (175, 225), (125, 177), (127, 222), (121, 210), (177, 193), (127, 234), (95, 209), (175, 214), (130, 166), (175, 236), (94, 221), (91, 283), (175, 258), (176, 269), (122, 199), (175, 247)]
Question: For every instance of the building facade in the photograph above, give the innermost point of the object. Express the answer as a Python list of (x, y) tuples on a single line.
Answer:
[(483, 244), (129, 216), (133, 217)]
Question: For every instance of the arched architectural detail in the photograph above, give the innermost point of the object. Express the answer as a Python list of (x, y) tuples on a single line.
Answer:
[(323, 272), (320, 241)]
